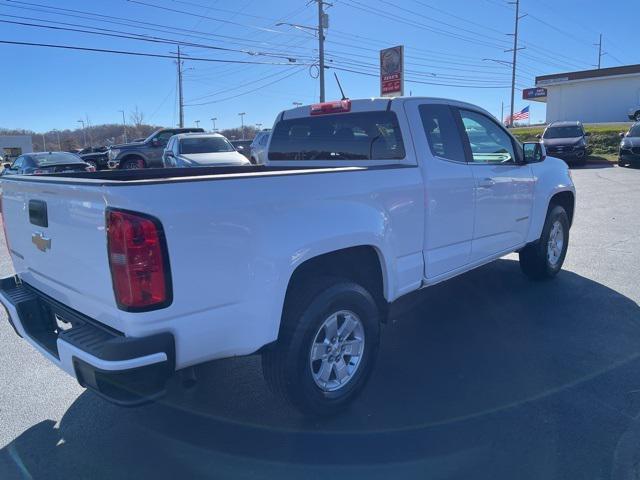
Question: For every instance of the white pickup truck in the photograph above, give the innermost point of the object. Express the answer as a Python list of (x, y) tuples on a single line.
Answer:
[(124, 278)]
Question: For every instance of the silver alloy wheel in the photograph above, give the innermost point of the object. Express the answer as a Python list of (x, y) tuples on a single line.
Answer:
[(555, 243), (337, 350)]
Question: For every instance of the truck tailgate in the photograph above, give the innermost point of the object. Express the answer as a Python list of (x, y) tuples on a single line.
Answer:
[(57, 240)]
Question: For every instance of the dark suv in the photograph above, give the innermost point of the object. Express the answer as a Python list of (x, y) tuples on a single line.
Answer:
[(146, 154), (566, 140)]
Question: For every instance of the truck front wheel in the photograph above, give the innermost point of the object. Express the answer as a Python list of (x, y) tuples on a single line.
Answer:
[(544, 258), (327, 346)]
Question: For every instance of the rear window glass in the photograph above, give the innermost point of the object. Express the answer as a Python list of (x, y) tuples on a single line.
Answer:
[(346, 136), (55, 158), (205, 145), (442, 132)]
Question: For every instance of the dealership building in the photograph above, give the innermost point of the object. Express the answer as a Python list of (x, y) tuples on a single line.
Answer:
[(12, 146), (591, 96)]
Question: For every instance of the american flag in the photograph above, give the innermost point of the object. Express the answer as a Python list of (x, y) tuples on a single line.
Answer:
[(521, 115)]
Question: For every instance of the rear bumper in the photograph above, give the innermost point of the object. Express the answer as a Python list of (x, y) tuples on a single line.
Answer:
[(125, 370)]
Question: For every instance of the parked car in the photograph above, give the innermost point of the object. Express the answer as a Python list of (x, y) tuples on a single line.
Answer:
[(124, 281), (566, 140), (634, 113), (41, 163), (629, 153), (96, 157), (147, 154), (243, 147), (201, 150), (258, 147)]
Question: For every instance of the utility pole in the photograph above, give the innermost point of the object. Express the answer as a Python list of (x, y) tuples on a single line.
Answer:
[(321, 24), (84, 133), (242, 114), (180, 102), (600, 52), (197, 123), (515, 58), (124, 126), (44, 143), (58, 135), (214, 123)]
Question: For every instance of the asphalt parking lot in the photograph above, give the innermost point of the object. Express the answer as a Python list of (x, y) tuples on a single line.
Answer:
[(488, 375)]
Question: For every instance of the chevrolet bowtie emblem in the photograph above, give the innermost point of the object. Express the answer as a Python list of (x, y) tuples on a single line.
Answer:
[(41, 242)]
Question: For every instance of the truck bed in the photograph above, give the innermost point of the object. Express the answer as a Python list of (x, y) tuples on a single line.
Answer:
[(163, 175)]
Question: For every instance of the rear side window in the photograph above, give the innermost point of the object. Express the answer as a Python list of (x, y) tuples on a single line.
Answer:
[(442, 132), (346, 136)]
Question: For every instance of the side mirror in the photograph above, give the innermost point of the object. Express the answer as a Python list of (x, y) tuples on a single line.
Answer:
[(538, 136), (621, 134), (534, 152)]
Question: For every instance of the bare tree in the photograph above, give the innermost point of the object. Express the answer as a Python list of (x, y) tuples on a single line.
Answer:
[(137, 117)]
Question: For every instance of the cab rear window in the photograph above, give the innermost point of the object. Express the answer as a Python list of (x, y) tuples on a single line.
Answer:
[(344, 136)]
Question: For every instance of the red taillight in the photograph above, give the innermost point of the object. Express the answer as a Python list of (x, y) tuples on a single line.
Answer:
[(138, 260), (331, 107)]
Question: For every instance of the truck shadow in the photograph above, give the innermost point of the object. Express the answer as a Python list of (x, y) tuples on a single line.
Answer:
[(488, 375)]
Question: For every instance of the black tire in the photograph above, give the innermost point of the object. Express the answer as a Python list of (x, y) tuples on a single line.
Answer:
[(287, 367), (132, 163), (534, 260), (621, 163)]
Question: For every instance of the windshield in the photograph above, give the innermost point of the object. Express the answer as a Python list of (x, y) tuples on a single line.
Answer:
[(55, 158), (205, 145), (563, 132), (634, 131)]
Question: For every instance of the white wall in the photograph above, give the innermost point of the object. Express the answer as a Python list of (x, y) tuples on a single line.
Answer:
[(595, 100), (16, 141)]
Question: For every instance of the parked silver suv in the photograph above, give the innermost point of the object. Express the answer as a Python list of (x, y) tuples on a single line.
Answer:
[(259, 147)]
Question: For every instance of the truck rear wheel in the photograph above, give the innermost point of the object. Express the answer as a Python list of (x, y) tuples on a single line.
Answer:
[(327, 347), (544, 258)]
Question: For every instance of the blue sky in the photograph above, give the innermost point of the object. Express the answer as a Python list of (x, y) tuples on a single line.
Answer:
[(445, 44)]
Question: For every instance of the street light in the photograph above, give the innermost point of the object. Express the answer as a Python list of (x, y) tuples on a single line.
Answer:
[(297, 104), (124, 126), (242, 114), (44, 143), (213, 119), (58, 135), (258, 126), (197, 123), (84, 133)]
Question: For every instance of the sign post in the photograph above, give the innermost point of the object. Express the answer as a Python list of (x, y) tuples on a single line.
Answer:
[(392, 71)]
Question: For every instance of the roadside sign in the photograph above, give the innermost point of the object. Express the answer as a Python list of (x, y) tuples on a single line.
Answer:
[(534, 94), (392, 71)]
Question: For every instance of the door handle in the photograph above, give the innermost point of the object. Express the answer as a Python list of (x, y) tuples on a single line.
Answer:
[(487, 182)]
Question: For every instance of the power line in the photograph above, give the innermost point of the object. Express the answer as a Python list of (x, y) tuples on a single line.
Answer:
[(247, 92), (138, 54), (152, 39)]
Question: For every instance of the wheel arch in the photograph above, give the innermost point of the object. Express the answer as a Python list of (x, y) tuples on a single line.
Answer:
[(363, 264), (566, 199), (128, 156)]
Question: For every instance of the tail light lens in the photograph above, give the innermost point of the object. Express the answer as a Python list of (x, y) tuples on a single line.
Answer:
[(138, 260)]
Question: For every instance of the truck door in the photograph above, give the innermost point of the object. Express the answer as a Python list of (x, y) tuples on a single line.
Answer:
[(449, 187), (503, 185)]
